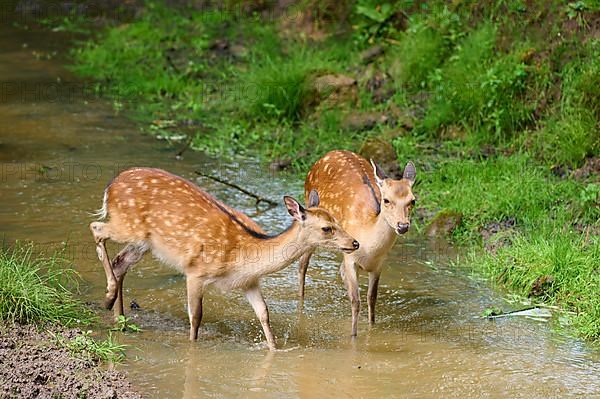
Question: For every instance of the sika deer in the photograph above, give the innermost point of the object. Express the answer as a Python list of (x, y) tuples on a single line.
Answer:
[(352, 190), (211, 243)]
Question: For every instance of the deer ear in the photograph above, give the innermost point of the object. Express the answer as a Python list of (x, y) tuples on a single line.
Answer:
[(379, 173), (313, 199), (410, 173), (294, 208)]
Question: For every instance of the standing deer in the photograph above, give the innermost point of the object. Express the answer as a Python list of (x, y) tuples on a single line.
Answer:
[(353, 191), (209, 242)]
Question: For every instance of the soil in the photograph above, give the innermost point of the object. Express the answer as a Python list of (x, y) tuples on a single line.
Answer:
[(33, 365)]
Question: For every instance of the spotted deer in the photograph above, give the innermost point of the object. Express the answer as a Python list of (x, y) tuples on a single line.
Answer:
[(208, 241), (369, 206)]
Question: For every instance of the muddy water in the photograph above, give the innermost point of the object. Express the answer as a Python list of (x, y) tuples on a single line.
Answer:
[(58, 148)]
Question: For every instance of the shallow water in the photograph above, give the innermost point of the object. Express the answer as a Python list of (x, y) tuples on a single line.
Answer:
[(58, 149)]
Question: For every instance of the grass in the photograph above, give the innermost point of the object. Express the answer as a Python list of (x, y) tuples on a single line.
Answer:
[(520, 78), (83, 345), (38, 290), (570, 260), (499, 188), (568, 136), (478, 89)]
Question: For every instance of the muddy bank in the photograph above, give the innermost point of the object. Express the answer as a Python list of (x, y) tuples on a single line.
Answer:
[(33, 365)]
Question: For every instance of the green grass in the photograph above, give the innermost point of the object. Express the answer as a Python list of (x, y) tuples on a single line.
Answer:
[(469, 71), (546, 240), (84, 346), (499, 188), (572, 133), (520, 77), (38, 290), (420, 51), (478, 89), (570, 259)]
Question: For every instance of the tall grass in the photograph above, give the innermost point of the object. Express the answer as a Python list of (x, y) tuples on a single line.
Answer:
[(478, 89), (572, 133), (420, 52), (282, 84), (569, 260), (499, 188), (37, 290)]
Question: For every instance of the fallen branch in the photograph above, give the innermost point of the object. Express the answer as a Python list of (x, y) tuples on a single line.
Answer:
[(258, 198), (179, 154)]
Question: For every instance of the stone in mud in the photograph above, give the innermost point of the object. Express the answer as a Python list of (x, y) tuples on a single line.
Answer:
[(382, 152), (444, 223), (333, 91), (497, 234), (591, 168), (280, 164), (381, 87), (358, 122), (542, 286), (401, 117), (371, 53)]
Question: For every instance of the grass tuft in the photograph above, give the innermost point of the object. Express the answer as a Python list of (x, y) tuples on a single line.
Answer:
[(569, 260), (83, 345), (37, 290)]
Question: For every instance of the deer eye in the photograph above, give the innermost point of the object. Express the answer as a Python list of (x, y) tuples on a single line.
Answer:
[(327, 229), (386, 201)]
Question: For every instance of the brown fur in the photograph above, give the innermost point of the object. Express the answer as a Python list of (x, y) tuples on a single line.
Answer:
[(208, 241), (348, 188)]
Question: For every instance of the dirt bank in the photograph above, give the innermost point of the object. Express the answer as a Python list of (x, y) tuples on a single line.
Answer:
[(33, 365)]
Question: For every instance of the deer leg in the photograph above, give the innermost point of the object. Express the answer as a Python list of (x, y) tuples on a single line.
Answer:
[(100, 236), (195, 292), (303, 265), (129, 256), (350, 277), (262, 312), (372, 294)]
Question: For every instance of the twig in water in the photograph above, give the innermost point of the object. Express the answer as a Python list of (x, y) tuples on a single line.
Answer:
[(258, 198), (185, 147)]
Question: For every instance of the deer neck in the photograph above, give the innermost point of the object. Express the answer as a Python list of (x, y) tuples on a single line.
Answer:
[(381, 231), (276, 253)]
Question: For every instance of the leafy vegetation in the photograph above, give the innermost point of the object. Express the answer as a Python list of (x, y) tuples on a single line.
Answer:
[(83, 345), (123, 324), (36, 290), (492, 100), (568, 262), (492, 190)]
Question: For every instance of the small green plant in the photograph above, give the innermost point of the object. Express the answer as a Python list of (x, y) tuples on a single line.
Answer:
[(575, 10), (374, 19), (83, 345), (123, 324), (420, 51), (491, 311), (37, 289)]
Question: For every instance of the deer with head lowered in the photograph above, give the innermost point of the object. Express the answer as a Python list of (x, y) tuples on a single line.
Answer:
[(208, 241), (370, 207)]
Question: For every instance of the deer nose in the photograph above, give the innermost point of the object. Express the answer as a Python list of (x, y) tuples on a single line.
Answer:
[(402, 228), (355, 244)]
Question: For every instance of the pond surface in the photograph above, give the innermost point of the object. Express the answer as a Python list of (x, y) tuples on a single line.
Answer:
[(59, 146)]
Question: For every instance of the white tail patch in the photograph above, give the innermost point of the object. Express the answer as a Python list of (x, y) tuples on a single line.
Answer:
[(101, 213)]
